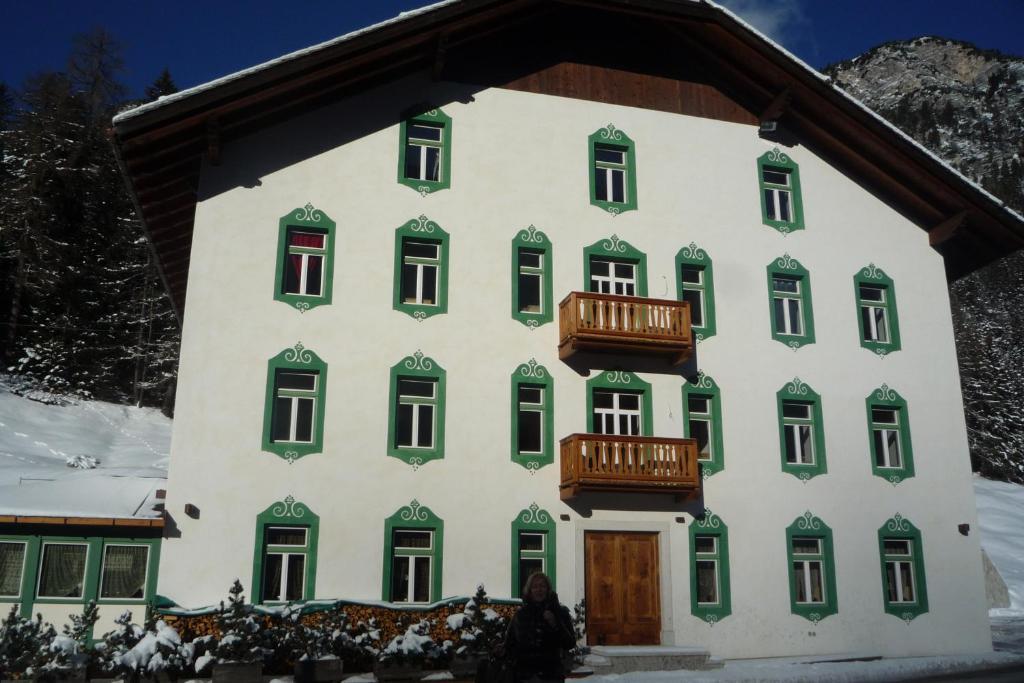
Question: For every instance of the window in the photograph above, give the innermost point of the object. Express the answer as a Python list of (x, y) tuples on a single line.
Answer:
[(613, 266), (801, 441), (294, 409), (424, 160), (903, 581), (62, 570), (619, 403), (533, 442), (531, 278), (779, 181), (876, 310), (284, 566), (124, 571), (533, 546), (305, 250), (421, 269), (608, 276), (709, 568), (12, 568), (416, 410), (695, 286), (812, 590), (789, 290), (702, 420), (612, 170), (892, 456), (413, 540)]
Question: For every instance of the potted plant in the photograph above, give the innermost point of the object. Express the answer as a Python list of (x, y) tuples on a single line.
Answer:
[(312, 645), (478, 629), (239, 653), (402, 659)]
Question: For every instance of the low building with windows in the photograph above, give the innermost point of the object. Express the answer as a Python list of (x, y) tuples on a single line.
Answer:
[(627, 314)]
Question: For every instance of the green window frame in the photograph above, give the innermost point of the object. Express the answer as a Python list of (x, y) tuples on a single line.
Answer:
[(615, 251), (801, 430), (702, 420), (421, 269), (533, 405), (812, 570), (289, 377), (892, 455), (532, 522), (410, 403), (790, 307), (532, 301), (621, 382), (413, 517), (425, 142), (709, 557), (286, 514), (612, 166), (778, 179), (695, 284), (904, 588), (296, 262), (877, 321)]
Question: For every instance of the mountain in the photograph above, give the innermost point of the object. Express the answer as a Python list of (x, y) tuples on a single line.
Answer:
[(967, 105)]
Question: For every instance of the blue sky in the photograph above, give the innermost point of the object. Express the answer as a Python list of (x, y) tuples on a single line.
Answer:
[(199, 40)]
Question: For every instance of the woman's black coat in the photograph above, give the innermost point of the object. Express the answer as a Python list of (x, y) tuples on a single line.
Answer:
[(534, 645)]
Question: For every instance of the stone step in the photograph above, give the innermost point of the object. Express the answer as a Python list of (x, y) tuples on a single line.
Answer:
[(608, 659)]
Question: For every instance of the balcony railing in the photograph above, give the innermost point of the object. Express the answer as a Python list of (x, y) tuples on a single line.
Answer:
[(641, 464), (608, 322)]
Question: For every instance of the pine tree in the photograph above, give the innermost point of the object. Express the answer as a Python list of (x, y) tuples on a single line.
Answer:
[(163, 85), (239, 629)]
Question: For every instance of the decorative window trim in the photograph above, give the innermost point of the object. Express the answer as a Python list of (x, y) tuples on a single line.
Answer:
[(287, 512), (436, 117), (613, 137), (532, 373), (788, 267), (802, 393), (707, 387), (619, 250), (417, 366), (874, 276), (883, 396), (424, 229), (533, 518), (414, 516), (778, 159), (620, 380), (318, 221), (899, 528), (809, 526), (296, 358), (535, 240), (711, 524), (693, 255)]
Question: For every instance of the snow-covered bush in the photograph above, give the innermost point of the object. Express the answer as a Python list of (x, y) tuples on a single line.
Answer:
[(415, 646), (241, 639), (71, 649), (156, 650), (23, 643), (478, 628)]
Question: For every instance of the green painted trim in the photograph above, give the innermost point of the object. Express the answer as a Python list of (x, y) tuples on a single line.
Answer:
[(535, 240), (617, 250), (789, 267), (705, 386), (883, 396), (414, 516), (153, 563), (533, 519), (777, 159), (807, 525), (296, 358), (799, 392), (305, 217), (91, 578), (287, 512), (898, 527), (610, 136), (711, 525), (875, 276), (693, 255), (533, 374), (431, 116), (417, 365), (424, 230), (30, 572), (621, 380)]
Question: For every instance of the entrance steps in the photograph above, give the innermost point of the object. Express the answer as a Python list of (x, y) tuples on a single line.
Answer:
[(608, 659)]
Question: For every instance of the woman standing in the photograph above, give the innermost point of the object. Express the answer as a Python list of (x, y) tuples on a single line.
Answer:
[(538, 633)]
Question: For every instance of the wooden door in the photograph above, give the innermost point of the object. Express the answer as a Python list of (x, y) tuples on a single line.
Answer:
[(622, 588)]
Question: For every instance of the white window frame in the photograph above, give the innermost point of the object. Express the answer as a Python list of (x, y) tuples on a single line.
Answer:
[(527, 407), (416, 402), (885, 429), (42, 558), (417, 554), (24, 562), (295, 396), (807, 560), (533, 554), (532, 271), (875, 309), (279, 549), (422, 264), (305, 253), (697, 287), (773, 203), (791, 429), (608, 169), (611, 281), (103, 569), (422, 145), (707, 417), (785, 326), (616, 411), (898, 561), (714, 558)]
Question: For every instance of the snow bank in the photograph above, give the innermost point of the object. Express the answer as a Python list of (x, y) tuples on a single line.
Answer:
[(1001, 518)]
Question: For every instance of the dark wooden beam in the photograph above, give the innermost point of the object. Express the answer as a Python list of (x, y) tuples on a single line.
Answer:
[(439, 56), (213, 141), (777, 107), (946, 229)]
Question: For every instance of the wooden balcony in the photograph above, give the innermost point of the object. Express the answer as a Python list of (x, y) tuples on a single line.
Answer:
[(634, 464), (624, 324)]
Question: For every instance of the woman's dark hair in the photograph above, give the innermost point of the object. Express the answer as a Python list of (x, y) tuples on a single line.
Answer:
[(533, 577)]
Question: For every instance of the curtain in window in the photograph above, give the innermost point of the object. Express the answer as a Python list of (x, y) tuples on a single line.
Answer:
[(12, 558), (63, 571), (124, 571)]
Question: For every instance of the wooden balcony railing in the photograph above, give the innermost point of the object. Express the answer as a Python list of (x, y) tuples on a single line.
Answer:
[(629, 463), (608, 322)]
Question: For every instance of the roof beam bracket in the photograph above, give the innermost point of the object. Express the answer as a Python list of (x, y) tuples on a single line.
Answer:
[(946, 229), (213, 141), (776, 108), (440, 52)]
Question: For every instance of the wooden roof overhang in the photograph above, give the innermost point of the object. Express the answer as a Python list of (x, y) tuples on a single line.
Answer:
[(137, 522), (161, 146)]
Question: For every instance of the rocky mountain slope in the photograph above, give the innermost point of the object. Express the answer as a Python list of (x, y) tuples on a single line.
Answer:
[(967, 105)]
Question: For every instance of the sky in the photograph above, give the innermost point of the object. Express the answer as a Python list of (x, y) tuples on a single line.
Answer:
[(200, 40)]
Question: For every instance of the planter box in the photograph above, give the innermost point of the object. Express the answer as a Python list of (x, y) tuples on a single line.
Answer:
[(237, 672), (398, 672), (318, 670), (465, 666)]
